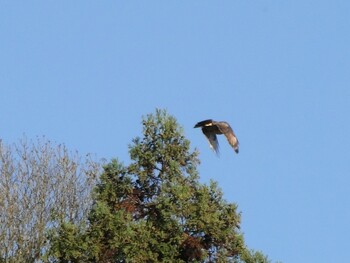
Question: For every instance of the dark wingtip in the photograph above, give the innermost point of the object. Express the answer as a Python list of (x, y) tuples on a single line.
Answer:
[(237, 150)]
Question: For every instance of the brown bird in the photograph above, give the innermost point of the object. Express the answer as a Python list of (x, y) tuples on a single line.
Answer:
[(211, 128)]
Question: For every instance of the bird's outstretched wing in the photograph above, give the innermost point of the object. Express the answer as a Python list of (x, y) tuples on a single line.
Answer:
[(213, 140), (226, 129)]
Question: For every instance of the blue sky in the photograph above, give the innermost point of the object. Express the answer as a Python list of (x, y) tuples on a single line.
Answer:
[(84, 72)]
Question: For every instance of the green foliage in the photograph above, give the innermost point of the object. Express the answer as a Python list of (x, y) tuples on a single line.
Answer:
[(68, 244), (155, 209)]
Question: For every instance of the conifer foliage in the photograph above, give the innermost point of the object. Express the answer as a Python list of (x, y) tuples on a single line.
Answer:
[(155, 209)]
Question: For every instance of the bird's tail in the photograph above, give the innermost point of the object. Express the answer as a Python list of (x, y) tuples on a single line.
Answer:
[(203, 123), (236, 147)]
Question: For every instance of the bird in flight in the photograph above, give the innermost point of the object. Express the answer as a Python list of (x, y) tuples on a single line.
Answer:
[(211, 128)]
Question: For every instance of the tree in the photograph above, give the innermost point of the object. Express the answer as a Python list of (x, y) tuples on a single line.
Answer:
[(155, 209), (40, 181)]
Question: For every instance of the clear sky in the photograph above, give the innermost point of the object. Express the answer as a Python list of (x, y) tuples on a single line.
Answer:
[(84, 72)]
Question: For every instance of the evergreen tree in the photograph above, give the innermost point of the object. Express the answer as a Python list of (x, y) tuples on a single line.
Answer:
[(155, 209)]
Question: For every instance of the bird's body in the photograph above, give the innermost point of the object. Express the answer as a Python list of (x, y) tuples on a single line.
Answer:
[(212, 128)]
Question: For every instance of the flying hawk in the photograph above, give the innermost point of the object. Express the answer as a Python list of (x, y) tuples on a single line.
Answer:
[(211, 128)]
